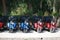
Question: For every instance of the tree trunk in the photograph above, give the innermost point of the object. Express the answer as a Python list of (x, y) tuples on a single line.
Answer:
[(41, 4), (4, 7), (54, 9)]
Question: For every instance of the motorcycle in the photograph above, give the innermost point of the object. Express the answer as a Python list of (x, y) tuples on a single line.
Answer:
[(24, 25), (50, 24), (12, 25), (38, 25)]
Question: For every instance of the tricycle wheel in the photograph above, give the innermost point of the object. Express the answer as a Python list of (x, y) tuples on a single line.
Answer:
[(10, 30), (52, 30), (25, 30), (39, 30)]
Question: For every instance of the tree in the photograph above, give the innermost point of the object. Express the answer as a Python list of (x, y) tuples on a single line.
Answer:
[(4, 7)]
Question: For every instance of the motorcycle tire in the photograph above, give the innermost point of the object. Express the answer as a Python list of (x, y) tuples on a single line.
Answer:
[(39, 30), (25, 30), (52, 30), (11, 30)]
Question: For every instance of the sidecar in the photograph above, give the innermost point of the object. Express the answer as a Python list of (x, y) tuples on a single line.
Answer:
[(12, 24), (1, 23), (24, 24), (50, 24), (47, 22), (38, 23)]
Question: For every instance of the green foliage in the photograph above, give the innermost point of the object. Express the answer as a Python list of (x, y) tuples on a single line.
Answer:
[(0, 14), (30, 12), (21, 7), (20, 10), (0, 8), (16, 7), (56, 14), (40, 13), (46, 13)]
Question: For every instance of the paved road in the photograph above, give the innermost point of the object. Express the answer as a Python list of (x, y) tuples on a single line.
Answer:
[(33, 34)]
